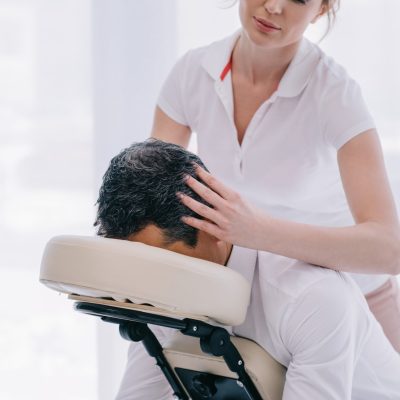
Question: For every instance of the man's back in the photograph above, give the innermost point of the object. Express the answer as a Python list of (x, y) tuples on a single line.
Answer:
[(316, 322)]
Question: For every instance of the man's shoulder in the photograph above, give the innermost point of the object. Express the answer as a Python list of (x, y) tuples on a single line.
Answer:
[(294, 278), (294, 291)]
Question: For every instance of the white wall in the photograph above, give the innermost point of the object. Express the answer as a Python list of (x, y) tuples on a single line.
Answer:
[(134, 46)]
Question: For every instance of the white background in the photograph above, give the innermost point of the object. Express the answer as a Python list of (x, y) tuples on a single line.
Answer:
[(53, 149)]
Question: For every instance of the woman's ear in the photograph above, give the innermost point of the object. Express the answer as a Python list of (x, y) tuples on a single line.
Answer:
[(322, 11)]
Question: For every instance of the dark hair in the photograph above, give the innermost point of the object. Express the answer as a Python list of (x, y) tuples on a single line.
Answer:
[(334, 6), (140, 187)]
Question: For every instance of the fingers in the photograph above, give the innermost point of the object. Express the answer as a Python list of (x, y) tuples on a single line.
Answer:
[(214, 183), (205, 193), (204, 226), (201, 209)]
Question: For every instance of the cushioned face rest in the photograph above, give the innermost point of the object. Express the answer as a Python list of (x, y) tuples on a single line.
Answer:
[(124, 270)]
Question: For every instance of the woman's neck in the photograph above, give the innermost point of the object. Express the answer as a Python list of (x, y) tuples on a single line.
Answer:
[(259, 65)]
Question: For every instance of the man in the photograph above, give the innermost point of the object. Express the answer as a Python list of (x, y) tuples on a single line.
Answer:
[(313, 320)]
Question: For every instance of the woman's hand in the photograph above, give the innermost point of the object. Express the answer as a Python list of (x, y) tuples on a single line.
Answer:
[(232, 219)]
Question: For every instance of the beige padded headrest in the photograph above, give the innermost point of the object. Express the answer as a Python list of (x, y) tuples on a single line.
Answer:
[(124, 270)]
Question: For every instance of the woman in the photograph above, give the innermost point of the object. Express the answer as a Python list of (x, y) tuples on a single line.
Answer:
[(285, 126)]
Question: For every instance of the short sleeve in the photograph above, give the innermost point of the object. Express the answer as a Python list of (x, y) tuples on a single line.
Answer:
[(344, 112), (324, 332), (171, 98)]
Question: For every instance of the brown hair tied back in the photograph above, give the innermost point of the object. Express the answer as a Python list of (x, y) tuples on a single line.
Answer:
[(333, 8)]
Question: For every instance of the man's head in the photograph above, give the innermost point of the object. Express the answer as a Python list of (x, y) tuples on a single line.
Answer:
[(138, 200)]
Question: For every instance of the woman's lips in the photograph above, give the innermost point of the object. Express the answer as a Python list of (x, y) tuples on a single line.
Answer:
[(265, 26)]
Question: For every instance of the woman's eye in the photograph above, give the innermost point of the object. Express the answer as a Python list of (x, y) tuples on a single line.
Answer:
[(300, 1)]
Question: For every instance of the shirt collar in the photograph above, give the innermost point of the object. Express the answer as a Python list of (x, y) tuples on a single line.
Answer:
[(293, 81), (300, 69), (218, 55)]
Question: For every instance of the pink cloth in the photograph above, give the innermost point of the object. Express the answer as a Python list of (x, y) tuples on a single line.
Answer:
[(384, 303)]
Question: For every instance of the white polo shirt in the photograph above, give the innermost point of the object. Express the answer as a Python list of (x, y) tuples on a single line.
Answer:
[(316, 322), (287, 163), (312, 320)]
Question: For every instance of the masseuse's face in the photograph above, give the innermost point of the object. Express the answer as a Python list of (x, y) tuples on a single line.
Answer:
[(208, 247), (278, 23)]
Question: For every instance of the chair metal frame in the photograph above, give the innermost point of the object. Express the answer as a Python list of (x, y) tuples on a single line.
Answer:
[(184, 383)]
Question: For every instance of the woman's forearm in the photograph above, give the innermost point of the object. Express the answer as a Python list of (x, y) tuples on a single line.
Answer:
[(369, 247), (364, 248)]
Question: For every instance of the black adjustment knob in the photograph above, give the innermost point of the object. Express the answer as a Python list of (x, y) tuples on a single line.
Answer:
[(216, 343), (204, 385), (132, 331)]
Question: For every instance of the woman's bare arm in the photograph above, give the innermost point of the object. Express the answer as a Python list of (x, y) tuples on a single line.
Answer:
[(167, 130), (372, 245)]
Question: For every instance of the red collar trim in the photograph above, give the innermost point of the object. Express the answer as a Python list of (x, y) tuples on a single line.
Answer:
[(226, 70)]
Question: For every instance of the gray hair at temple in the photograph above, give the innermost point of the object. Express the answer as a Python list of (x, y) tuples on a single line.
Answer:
[(139, 188)]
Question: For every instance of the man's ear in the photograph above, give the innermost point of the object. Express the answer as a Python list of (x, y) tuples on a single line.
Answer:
[(322, 11)]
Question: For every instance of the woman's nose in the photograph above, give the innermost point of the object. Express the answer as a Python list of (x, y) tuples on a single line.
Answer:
[(273, 6)]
